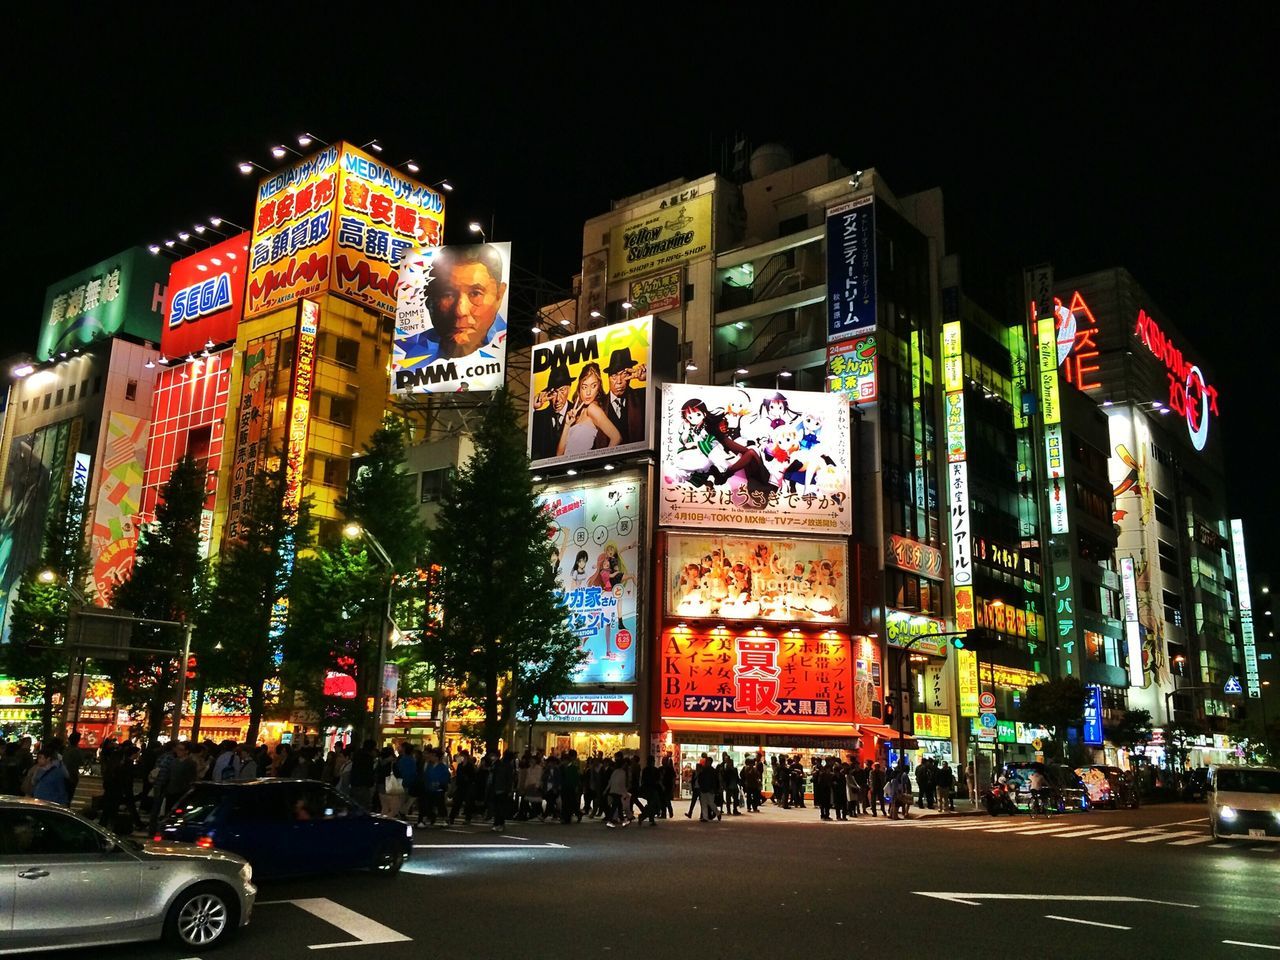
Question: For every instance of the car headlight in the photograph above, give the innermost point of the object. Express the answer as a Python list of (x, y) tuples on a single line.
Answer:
[(1227, 813), (246, 873), (408, 831)]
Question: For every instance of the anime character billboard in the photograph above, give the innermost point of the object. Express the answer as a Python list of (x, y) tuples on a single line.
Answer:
[(596, 552), (735, 458)]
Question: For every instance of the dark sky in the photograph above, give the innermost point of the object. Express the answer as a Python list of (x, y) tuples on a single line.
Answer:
[(1144, 138)]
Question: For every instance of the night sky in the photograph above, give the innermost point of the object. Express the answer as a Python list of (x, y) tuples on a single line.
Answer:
[(1109, 139)]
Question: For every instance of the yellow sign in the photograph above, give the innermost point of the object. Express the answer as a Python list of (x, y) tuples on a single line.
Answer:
[(674, 234), (935, 725), (967, 674), (1047, 338), (1010, 676), (952, 360), (339, 220)]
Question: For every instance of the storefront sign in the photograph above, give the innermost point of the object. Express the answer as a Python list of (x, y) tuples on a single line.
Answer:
[(757, 578), (300, 406), (1056, 463), (965, 619), (591, 395), (1050, 398), (735, 458), (1093, 715), (1190, 396), (1014, 677), (657, 294), (205, 297), (851, 368), (934, 725), (935, 690), (611, 708), (913, 556), (595, 547), (954, 412), (1078, 352), (903, 628), (1132, 629), (851, 268), (967, 677), (1006, 732), (253, 423), (1251, 677), (124, 294), (759, 676), (952, 358), (664, 238), (961, 546), (451, 327)]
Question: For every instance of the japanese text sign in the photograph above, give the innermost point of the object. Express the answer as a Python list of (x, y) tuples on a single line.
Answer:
[(961, 530), (934, 725), (967, 677), (658, 294), (752, 458), (851, 268), (123, 294), (905, 629), (851, 368), (1050, 398), (913, 556)]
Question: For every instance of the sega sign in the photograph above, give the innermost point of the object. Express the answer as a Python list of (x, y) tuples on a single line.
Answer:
[(205, 298), (200, 300), (591, 708)]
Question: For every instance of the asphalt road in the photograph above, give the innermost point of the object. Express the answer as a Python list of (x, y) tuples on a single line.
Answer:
[(1123, 884)]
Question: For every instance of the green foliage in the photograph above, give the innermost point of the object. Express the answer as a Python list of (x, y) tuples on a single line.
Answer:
[(383, 498), (502, 617), (1132, 728), (1056, 704), (251, 578)]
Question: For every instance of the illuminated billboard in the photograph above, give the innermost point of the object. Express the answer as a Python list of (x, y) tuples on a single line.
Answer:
[(340, 221), (122, 294), (756, 578), (205, 298), (451, 326), (658, 294), (739, 458), (1252, 680), (1050, 399), (851, 368), (300, 407), (851, 268), (591, 394), (668, 236), (596, 551), (119, 501)]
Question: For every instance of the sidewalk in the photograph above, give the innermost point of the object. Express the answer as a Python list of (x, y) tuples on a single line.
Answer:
[(809, 813)]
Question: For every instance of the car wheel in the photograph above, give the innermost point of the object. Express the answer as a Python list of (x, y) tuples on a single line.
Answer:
[(202, 917), (389, 858)]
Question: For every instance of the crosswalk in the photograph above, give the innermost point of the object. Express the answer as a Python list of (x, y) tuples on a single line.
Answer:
[(1071, 828)]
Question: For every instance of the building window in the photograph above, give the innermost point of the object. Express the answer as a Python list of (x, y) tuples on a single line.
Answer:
[(71, 393), (25, 404), (97, 384), (435, 484), (48, 399), (57, 400), (131, 390), (1164, 509), (335, 472), (84, 387), (1172, 608), (1168, 557), (342, 410), (346, 351)]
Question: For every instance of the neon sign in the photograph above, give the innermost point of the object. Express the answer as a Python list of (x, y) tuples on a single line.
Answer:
[(1077, 347), (1190, 395)]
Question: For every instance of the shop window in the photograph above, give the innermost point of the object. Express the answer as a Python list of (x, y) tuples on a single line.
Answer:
[(131, 390)]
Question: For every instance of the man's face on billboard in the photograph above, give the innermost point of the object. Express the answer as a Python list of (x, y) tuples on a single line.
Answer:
[(464, 302), (618, 382)]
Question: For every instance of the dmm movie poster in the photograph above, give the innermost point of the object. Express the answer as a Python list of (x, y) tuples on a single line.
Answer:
[(589, 394), (794, 678), (596, 551), (451, 326), (734, 457), (757, 578)]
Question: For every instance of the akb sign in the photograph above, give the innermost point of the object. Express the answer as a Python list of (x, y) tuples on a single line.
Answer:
[(200, 300)]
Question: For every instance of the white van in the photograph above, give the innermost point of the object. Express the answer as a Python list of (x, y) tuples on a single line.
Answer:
[(1245, 802)]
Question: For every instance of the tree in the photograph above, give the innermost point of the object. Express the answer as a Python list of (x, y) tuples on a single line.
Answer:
[(35, 654), (382, 497), (503, 619), (1130, 729), (1057, 704), (162, 586), (247, 608)]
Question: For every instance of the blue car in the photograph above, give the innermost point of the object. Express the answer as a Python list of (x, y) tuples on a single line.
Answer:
[(288, 828)]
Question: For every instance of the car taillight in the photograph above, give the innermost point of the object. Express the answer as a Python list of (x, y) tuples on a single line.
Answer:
[(205, 843), (157, 839)]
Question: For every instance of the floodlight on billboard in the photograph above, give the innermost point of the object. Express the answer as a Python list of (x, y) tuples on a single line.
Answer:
[(451, 327)]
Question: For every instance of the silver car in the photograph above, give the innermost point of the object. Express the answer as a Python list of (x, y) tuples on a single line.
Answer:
[(67, 882)]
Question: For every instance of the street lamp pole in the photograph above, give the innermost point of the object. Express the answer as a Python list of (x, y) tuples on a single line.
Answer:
[(353, 530)]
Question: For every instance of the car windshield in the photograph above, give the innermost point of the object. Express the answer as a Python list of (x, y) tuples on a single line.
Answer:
[(1249, 781), (199, 804)]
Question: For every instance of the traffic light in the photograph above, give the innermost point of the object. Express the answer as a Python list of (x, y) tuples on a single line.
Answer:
[(191, 668), (978, 639)]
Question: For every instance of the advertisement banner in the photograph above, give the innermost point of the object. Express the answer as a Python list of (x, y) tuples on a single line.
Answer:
[(754, 458), (1132, 628), (913, 556), (115, 520), (954, 406), (590, 394), (253, 423), (596, 550), (851, 368), (205, 298), (1050, 399), (1093, 715), (937, 726), (1252, 678), (610, 708), (122, 294), (658, 294), (851, 268), (757, 578), (304, 370), (902, 628), (1056, 462), (952, 358), (961, 546), (451, 326), (795, 678), (965, 616), (967, 678), (664, 238)]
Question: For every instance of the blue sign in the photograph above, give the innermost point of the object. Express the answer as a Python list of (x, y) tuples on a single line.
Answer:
[(851, 268), (988, 720), (1093, 715), (1233, 686)]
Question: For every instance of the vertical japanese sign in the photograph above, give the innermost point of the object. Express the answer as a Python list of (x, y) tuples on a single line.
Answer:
[(967, 678), (958, 474), (794, 678), (1016, 343), (1056, 466), (300, 407), (1253, 683), (961, 546), (851, 268), (253, 423), (954, 409), (851, 368), (1093, 715), (1050, 398), (1132, 629), (115, 521), (595, 548)]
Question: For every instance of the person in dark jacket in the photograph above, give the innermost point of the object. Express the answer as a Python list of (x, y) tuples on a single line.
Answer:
[(362, 775), (501, 783), (708, 783), (117, 785), (822, 788), (464, 775), (839, 789), (667, 783), (876, 782), (730, 781), (925, 783), (650, 788), (570, 788)]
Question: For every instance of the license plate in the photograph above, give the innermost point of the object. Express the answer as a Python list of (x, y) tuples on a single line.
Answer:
[(1257, 833)]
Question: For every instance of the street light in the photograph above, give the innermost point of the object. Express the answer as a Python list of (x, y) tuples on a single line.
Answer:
[(474, 227), (354, 531)]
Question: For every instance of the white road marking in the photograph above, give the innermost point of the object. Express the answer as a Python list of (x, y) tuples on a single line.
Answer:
[(1181, 823), (1089, 923), (1264, 849), (1045, 830), (1192, 842), (972, 898), (1246, 943), (1223, 846), (1127, 834), (1165, 835), (488, 846), (366, 931), (1091, 830)]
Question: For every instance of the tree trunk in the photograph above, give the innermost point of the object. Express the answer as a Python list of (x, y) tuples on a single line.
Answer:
[(46, 709), (492, 722), (195, 719), (257, 699)]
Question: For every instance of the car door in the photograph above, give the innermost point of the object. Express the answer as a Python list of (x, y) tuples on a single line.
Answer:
[(65, 870), (329, 829), (8, 870)]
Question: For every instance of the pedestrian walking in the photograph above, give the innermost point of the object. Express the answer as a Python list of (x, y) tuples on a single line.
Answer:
[(667, 779), (876, 781), (435, 782), (708, 782), (501, 783), (464, 776), (945, 783), (49, 781), (840, 790), (616, 792), (72, 761), (570, 788), (650, 788), (730, 783)]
